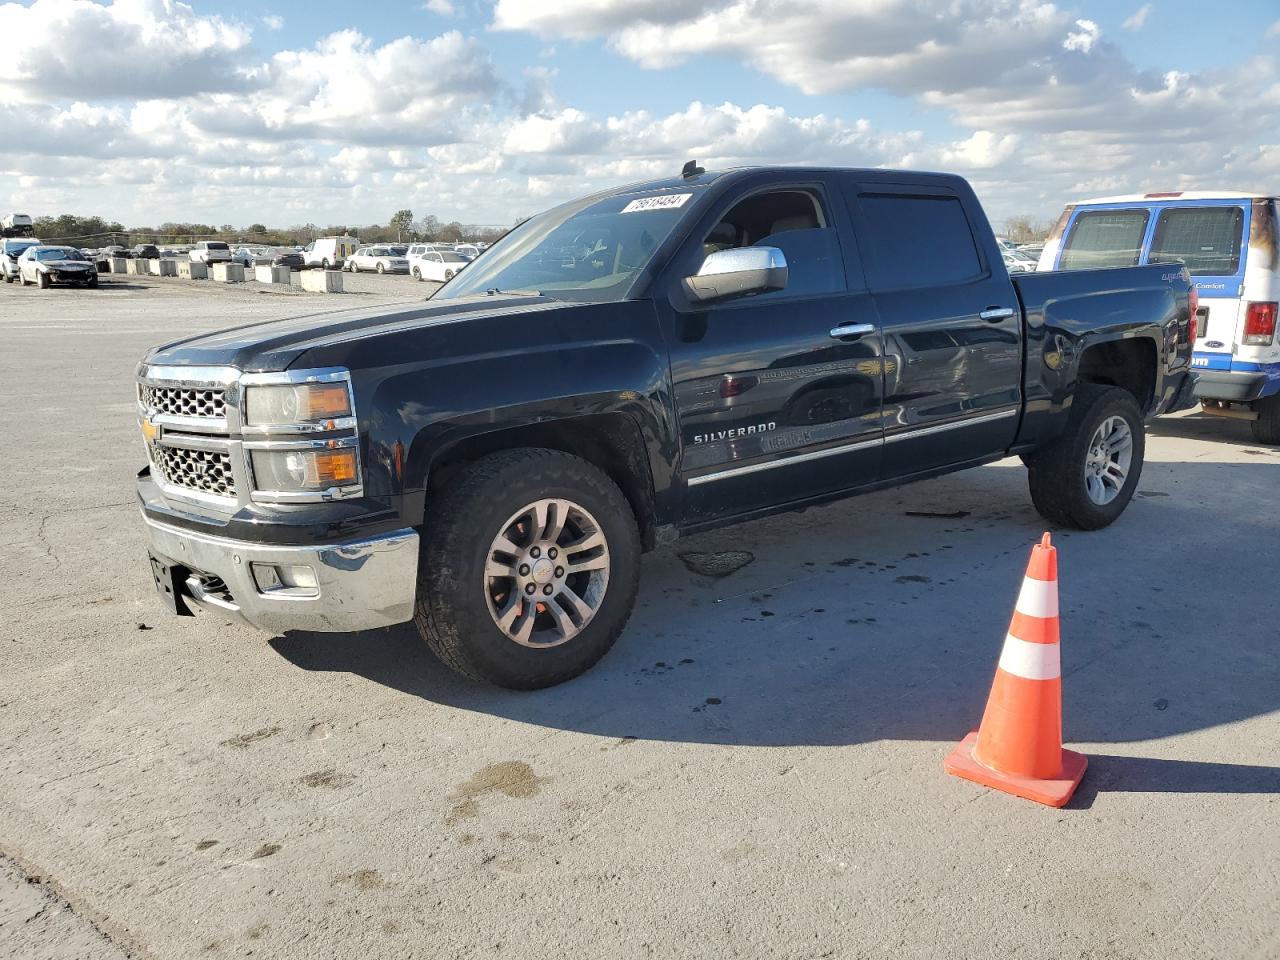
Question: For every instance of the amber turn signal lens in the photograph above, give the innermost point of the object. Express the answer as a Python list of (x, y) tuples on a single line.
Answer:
[(330, 468), (324, 400)]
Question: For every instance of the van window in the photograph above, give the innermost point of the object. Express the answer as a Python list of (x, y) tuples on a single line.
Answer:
[(917, 241), (1104, 238), (1206, 239)]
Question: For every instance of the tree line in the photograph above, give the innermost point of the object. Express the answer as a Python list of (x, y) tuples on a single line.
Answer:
[(403, 226)]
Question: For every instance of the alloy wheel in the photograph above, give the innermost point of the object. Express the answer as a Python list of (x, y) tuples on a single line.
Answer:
[(1108, 460), (546, 573)]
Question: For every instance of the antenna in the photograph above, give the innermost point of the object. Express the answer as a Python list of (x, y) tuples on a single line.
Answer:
[(691, 169)]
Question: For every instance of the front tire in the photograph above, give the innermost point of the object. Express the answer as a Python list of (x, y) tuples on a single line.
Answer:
[(42, 281), (1266, 429), (1089, 474), (530, 564)]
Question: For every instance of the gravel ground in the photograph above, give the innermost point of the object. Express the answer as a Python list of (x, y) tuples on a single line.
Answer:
[(755, 770)]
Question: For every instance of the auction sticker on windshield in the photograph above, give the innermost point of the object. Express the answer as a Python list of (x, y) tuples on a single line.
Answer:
[(663, 201)]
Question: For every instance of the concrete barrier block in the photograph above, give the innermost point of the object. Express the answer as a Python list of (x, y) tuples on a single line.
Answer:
[(134, 267), (164, 268), (270, 274), (119, 264), (228, 273), (321, 281), (189, 270)]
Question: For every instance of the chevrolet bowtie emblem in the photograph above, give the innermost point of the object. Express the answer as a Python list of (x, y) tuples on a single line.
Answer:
[(149, 429)]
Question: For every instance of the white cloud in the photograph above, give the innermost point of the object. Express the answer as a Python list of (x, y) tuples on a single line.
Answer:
[(1273, 30), (273, 21), (1139, 18), (443, 8), (200, 125), (1083, 39), (76, 49), (818, 46)]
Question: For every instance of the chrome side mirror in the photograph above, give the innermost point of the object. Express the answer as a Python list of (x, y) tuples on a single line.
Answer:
[(740, 272)]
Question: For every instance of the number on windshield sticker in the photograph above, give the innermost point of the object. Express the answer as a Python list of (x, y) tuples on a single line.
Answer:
[(663, 201)]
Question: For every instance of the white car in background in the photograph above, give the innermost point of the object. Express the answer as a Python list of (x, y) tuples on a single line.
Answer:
[(379, 259), (210, 251), (438, 265), (468, 251), (49, 265), (250, 257), (10, 250), (1018, 262)]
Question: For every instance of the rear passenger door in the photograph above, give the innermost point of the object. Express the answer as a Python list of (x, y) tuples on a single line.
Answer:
[(952, 324)]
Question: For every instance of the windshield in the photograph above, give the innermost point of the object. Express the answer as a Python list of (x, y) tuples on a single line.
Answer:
[(58, 253), (590, 250)]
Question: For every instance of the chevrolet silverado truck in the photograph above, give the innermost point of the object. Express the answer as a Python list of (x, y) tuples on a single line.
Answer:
[(625, 369)]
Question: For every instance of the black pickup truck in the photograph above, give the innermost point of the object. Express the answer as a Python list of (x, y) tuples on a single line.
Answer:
[(640, 364)]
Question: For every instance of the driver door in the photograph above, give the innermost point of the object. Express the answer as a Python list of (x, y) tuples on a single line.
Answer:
[(778, 395)]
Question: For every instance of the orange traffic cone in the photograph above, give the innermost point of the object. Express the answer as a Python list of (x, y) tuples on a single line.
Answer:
[(1018, 747)]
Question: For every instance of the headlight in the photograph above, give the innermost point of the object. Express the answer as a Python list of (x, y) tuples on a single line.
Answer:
[(297, 403), (301, 438), (304, 471)]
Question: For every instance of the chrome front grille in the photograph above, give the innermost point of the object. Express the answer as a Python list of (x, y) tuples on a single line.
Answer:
[(204, 471), (185, 401)]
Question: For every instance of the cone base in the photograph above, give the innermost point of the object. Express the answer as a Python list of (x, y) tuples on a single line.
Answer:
[(1054, 793)]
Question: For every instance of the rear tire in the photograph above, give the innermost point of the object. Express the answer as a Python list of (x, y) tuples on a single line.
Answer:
[(460, 595), (1059, 476), (381, 269), (417, 274), (1266, 429)]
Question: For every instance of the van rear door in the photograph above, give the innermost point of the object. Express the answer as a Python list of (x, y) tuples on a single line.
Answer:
[(1209, 238)]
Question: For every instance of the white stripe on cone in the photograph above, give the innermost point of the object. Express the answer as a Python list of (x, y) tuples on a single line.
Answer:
[(1031, 661), (1038, 598)]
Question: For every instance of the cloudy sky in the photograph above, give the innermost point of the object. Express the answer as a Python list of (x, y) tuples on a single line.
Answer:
[(485, 110)]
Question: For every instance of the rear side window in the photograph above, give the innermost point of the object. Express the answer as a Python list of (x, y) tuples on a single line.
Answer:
[(1206, 239), (916, 241), (1104, 238)]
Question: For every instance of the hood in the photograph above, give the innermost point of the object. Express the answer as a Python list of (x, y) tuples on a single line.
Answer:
[(276, 344), (66, 264)]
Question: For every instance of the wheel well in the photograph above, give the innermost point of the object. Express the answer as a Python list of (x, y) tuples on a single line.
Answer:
[(610, 441), (1129, 364)]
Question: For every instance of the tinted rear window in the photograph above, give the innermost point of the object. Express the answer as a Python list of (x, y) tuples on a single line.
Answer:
[(917, 242), (1104, 238), (1206, 239), (217, 246)]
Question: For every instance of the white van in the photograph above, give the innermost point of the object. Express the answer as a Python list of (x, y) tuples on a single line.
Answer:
[(1229, 243), (329, 252)]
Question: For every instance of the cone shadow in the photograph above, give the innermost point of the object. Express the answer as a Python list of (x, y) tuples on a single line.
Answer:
[(1109, 773)]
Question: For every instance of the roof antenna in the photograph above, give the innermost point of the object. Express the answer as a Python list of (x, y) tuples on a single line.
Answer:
[(691, 169)]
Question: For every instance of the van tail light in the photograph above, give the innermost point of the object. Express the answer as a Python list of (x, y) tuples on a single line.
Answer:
[(1260, 324)]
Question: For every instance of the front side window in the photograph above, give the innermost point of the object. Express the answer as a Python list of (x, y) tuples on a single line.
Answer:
[(793, 221), (1207, 239), (1104, 238), (916, 241)]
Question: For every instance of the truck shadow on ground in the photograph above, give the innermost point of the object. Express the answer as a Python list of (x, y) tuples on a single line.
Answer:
[(810, 645), (1199, 426)]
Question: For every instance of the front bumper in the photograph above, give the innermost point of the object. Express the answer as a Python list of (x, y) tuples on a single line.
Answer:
[(359, 584)]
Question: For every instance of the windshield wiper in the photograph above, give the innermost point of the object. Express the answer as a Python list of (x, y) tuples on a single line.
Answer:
[(494, 291)]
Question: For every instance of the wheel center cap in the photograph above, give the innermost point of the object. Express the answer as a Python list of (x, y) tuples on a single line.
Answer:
[(543, 571)]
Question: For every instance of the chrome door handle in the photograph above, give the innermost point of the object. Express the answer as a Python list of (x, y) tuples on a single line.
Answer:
[(845, 330), (996, 314)]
